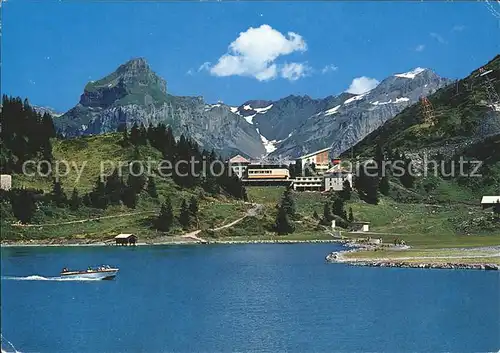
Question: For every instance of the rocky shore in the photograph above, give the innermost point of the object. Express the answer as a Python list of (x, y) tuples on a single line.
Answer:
[(173, 241), (338, 257), (273, 241)]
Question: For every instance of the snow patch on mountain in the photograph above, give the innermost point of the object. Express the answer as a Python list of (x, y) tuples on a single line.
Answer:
[(263, 110), (411, 74), (398, 100), (249, 118), (355, 98), (332, 110), (270, 146), (211, 106)]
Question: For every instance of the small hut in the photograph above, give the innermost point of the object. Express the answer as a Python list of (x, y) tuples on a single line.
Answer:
[(360, 226), (489, 201), (5, 181), (126, 239)]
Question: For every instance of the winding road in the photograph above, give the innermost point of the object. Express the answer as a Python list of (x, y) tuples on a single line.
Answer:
[(250, 213)]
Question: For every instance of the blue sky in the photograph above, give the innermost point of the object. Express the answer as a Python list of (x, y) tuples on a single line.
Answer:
[(51, 49)]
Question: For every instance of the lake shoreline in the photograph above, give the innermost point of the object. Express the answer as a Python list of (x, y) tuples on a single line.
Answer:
[(172, 242), (409, 262)]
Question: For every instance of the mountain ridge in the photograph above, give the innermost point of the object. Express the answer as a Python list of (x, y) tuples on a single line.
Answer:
[(286, 127)]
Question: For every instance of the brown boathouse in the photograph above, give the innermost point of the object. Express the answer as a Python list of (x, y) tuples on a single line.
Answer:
[(126, 239)]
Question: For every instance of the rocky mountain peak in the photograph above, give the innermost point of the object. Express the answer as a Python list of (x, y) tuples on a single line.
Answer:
[(137, 71), (133, 81)]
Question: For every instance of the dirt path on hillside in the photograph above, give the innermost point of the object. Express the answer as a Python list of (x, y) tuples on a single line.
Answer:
[(81, 220), (250, 213)]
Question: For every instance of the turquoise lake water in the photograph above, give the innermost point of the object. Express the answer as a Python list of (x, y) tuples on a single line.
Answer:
[(245, 298)]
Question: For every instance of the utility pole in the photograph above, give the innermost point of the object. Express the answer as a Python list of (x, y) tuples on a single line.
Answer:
[(427, 111), (492, 93)]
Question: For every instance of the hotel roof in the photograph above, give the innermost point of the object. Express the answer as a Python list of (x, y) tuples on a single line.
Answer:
[(239, 159), (336, 169), (314, 153)]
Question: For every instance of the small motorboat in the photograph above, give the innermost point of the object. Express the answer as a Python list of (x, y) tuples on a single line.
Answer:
[(101, 272)]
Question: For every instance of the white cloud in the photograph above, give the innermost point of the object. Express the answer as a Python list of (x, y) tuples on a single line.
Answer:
[(420, 47), (329, 68), (294, 71), (362, 84), (190, 72), (255, 51), (458, 28), (438, 37)]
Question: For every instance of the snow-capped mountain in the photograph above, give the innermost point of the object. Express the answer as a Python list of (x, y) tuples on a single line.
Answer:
[(349, 121)]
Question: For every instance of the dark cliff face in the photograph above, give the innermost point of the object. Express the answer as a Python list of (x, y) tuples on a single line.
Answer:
[(135, 94)]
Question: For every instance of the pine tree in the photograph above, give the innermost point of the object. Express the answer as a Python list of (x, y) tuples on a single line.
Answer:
[(298, 169), (165, 219), (327, 214), (136, 179), (210, 184), (152, 187), (74, 203), (345, 193), (338, 207), (407, 179), (87, 200), (371, 192), (283, 225), (151, 134), (143, 135), (23, 205), (379, 159), (114, 188), (288, 203), (48, 130), (98, 195), (367, 184), (351, 215), (57, 195), (125, 138), (134, 135), (185, 215), (384, 186), (193, 208), (129, 197), (244, 195)]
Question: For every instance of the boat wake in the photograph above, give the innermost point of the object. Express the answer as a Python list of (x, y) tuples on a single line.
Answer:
[(7, 346), (41, 278)]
